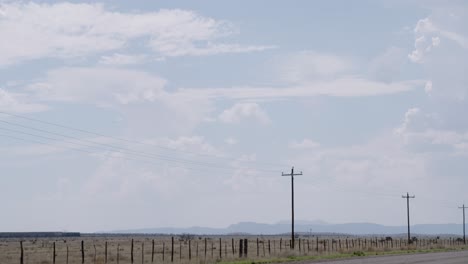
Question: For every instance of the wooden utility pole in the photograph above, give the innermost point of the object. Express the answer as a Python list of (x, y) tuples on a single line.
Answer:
[(292, 202), (407, 197), (464, 237)]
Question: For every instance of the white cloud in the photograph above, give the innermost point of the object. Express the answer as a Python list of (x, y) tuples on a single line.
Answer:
[(231, 141), (18, 103), (118, 59), (304, 144), (241, 111), (103, 86), (427, 35), (387, 66), (347, 87), (428, 87), (306, 66), (65, 30)]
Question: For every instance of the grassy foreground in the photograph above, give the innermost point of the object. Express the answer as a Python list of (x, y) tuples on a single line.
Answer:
[(338, 256)]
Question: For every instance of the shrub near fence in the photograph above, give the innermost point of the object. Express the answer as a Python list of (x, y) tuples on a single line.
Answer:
[(198, 249)]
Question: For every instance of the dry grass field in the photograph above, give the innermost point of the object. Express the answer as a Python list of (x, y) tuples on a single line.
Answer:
[(197, 249)]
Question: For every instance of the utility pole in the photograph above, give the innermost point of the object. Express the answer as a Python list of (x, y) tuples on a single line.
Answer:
[(464, 238), (292, 202), (407, 208)]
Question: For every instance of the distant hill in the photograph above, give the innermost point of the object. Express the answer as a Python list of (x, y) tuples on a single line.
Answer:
[(306, 227)]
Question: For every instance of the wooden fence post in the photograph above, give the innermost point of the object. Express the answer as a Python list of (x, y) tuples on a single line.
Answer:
[(258, 250), (212, 248), (281, 244), (82, 251), (118, 253), (94, 253), (22, 253), (105, 258), (131, 252), (241, 247), (53, 257), (164, 250), (142, 252), (189, 250), (205, 247), (180, 250), (232, 245), (246, 247), (172, 249), (269, 247), (220, 249), (152, 251), (263, 245), (67, 254)]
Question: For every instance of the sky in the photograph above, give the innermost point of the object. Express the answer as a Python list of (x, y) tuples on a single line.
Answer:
[(137, 114)]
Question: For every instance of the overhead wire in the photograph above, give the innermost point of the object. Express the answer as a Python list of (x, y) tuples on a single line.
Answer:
[(128, 140)]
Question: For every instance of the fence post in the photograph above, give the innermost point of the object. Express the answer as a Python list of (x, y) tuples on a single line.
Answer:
[(172, 249), (152, 251), (82, 251), (118, 253), (131, 252), (269, 247), (258, 250), (263, 246), (232, 244), (53, 257), (220, 249), (22, 253), (94, 245), (67, 254), (189, 250), (241, 247), (246, 246), (105, 258), (281, 244), (205, 247), (180, 250), (212, 248), (164, 250), (142, 252), (317, 245)]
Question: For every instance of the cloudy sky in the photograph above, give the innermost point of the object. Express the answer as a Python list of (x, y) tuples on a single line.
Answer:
[(133, 114)]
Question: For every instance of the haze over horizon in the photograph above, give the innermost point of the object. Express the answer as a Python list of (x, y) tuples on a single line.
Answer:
[(120, 115)]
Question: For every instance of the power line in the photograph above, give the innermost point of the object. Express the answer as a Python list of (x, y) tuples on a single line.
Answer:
[(137, 153), (90, 152), (126, 140), (129, 151)]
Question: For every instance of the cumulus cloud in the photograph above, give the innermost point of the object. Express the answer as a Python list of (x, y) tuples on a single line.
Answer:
[(33, 32), (428, 35), (241, 111)]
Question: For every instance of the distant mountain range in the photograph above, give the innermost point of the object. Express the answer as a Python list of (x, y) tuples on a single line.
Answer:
[(305, 227)]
